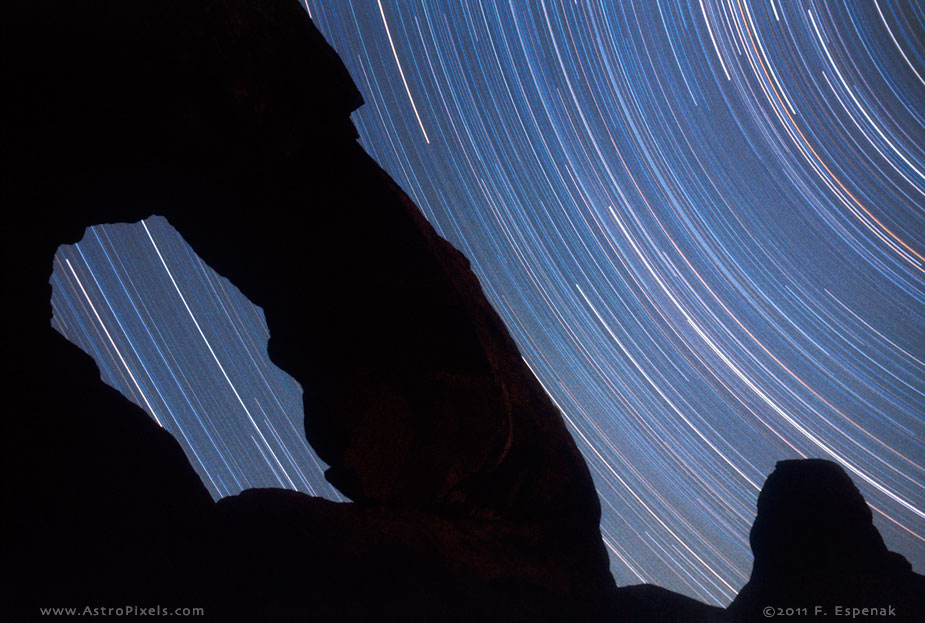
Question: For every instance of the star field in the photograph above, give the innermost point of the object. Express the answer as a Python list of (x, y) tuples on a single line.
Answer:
[(701, 221), (184, 344)]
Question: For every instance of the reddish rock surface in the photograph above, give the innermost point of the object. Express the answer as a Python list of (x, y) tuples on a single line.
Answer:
[(232, 120)]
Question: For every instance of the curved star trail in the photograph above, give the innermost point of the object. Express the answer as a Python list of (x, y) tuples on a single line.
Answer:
[(702, 222)]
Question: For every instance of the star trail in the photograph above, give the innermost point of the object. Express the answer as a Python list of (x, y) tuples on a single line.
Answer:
[(701, 221)]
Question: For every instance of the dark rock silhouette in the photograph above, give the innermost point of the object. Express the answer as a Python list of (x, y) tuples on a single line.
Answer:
[(816, 547), (231, 118), (647, 602)]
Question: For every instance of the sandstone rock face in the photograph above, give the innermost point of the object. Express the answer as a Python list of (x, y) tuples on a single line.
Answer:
[(231, 118), (816, 548)]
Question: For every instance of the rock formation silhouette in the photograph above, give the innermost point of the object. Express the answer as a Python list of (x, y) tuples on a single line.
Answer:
[(231, 118), (816, 549)]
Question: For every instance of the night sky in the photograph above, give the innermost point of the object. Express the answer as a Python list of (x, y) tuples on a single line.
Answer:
[(702, 222)]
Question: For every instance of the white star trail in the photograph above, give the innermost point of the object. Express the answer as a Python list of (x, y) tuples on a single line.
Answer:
[(205, 340), (402, 73), (112, 342)]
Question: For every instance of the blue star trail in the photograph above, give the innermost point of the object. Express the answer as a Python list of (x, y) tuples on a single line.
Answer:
[(702, 222)]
